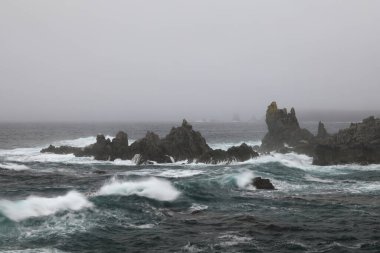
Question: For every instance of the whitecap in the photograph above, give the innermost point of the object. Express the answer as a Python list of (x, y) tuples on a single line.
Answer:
[(168, 173), (244, 179), (227, 145), (13, 166), (34, 206), (152, 187)]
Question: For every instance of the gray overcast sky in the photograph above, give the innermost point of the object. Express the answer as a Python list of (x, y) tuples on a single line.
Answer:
[(160, 59)]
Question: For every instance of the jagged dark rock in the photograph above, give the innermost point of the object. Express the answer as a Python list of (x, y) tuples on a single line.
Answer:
[(119, 146), (150, 149), (284, 133), (237, 153), (60, 150), (242, 152), (322, 132), (183, 143), (262, 184), (360, 143)]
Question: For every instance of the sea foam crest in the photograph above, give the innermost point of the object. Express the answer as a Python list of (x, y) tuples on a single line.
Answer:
[(152, 187), (244, 179), (34, 206), (13, 166)]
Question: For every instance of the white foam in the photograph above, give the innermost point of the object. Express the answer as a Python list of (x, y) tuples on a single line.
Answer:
[(229, 240), (227, 145), (152, 187), (244, 179), (34, 206), (168, 173), (13, 166), (197, 207)]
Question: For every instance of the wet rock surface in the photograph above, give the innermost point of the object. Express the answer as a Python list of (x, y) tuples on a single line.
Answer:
[(284, 132), (360, 143), (262, 184), (182, 143)]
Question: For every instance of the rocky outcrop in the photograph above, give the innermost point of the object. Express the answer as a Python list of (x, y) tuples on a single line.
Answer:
[(262, 184), (240, 153), (62, 150), (360, 143), (150, 149), (284, 133), (182, 143), (322, 132), (105, 149)]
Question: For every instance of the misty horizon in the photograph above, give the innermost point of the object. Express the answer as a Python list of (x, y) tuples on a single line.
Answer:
[(168, 60)]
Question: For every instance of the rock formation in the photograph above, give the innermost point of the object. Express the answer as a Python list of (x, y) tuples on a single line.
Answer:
[(182, 143), (150, 149), (322, 132), (240, 153), (262, 184), (360, 143), (62, 150), (284, 133)]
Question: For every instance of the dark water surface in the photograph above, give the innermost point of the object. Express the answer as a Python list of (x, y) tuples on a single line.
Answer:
[(60, 203)]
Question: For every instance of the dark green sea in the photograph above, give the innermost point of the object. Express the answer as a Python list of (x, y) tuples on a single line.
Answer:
[(60, 203)]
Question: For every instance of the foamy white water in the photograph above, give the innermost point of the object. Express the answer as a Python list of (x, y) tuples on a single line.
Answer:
[(34, 206), (227, 145), (152, 187), (13, 166)]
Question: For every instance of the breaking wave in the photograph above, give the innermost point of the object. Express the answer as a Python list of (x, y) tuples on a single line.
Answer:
[(34, 206), (13, 166), (152, 187)]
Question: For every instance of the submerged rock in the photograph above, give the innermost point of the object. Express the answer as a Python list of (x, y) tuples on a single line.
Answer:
[(360, 143), (262, 184)]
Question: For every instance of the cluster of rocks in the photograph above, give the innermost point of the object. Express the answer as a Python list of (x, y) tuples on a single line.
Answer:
[(182, 143), (360, 143)]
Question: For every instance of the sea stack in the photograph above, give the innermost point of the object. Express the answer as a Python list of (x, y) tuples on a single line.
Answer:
[(284, 133)]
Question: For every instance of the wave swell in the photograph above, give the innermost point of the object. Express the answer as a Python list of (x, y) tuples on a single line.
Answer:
[(152, 187), (35, 206)]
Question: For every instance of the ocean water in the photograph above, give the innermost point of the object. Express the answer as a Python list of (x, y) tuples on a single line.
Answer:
[(60, 203)]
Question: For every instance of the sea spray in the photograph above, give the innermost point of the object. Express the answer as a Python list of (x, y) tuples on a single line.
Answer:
[(244, 179), (34, 206), (152, 187)]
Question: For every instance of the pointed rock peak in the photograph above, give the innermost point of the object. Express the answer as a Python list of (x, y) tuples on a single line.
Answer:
[(121, 137), (293, 112), (152, 136), (186, 124), (272, 108), (322, 133), (100, 138)]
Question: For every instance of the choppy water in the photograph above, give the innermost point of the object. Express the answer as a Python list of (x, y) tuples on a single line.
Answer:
[(60, 203)]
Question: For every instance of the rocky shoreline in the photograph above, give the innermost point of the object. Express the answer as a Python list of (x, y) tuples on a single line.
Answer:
[(359, 143)]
